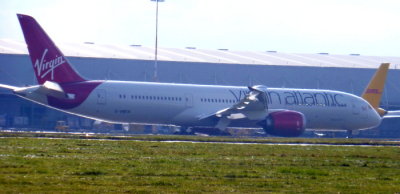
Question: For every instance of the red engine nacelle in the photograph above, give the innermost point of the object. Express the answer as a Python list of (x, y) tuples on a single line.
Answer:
[(285, 123)]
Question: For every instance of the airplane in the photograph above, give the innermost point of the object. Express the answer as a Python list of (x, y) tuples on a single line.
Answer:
[(279, 111), (373, 92)]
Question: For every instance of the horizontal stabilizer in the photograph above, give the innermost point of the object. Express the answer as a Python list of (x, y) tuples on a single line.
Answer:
[(53, 86), (8, 87), (52, 89), (392, 114)]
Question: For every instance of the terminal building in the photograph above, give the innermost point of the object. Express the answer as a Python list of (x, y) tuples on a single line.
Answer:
[(348, 73)]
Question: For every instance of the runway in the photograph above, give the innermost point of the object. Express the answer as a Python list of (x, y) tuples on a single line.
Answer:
[(205, 140)]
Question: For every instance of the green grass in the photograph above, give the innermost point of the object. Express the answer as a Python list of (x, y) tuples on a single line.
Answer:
[(32, 165)]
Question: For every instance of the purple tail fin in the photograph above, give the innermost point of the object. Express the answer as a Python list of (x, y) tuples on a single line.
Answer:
[(48, 61)]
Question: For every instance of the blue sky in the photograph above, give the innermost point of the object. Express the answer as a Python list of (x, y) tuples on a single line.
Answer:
[(367, 27)]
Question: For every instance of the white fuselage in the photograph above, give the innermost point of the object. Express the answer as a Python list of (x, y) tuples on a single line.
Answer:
[(185, 104)]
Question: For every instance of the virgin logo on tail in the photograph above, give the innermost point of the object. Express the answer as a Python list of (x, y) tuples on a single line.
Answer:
[(44, 67)]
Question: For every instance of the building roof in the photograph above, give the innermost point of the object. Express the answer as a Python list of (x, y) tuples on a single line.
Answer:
[(192, 54)]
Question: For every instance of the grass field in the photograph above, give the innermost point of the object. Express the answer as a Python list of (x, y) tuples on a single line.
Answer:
[(122, 136), (32, 165)]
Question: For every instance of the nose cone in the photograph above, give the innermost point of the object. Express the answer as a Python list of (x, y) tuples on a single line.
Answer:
[(374, 118)]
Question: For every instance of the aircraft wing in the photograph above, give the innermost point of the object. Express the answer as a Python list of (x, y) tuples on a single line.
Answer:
[(392, 114), (252, 106)]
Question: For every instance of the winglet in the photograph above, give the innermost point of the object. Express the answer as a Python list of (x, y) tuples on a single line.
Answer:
[(373, 92)]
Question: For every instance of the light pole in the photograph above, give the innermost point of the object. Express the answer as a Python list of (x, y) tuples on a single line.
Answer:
[(155, 75)]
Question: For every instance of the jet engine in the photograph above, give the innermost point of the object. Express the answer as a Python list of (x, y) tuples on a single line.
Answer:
[(285, 123)]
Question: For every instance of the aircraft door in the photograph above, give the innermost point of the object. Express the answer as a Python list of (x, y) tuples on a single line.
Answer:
[(188, 100), (101, 97)]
